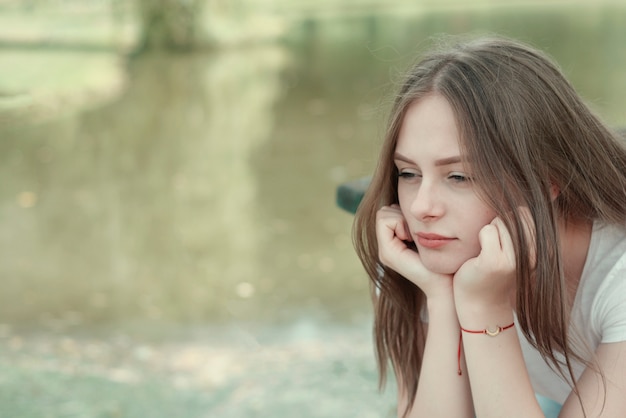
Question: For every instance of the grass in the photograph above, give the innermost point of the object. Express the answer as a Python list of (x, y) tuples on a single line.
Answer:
[(52, 376), (26, 393), (216, 373)]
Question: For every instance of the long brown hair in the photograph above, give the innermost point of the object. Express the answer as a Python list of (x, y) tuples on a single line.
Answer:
[(525, 130)]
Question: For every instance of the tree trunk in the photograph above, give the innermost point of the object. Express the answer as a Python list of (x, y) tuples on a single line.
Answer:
[(170, 24)]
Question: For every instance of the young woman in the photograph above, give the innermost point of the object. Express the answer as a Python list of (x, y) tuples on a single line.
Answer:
[(494, 233)]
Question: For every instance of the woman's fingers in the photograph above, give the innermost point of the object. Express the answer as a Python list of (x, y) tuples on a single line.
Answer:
[(391, 217), (402, 230), (505, 241), (489, 239), (393, 235), (490, 276), (496, 241), (391, 231), (495, 249)]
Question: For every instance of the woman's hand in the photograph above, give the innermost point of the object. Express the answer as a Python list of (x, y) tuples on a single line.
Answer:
[(489, 279), (395, 252)]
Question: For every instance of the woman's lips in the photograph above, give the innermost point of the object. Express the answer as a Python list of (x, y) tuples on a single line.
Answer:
[(432, 240)]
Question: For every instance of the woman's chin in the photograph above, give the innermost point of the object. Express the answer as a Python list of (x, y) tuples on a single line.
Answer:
[(449, 272), (448, 267)]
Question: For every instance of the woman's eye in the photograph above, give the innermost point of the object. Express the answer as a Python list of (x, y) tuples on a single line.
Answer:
[(459, 178), (408, 174)]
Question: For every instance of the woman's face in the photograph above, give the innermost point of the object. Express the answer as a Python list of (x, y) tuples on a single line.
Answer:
[(435, 188)]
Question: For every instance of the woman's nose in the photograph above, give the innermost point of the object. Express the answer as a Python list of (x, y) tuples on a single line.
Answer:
[(427, 203)]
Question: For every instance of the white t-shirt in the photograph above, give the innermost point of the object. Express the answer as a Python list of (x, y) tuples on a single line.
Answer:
[(599, 312)]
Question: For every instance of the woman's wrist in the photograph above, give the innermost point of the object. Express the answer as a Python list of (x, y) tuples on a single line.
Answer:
[(440, 304), (478, 312), (442, 310), (481, 317), (439, 291)]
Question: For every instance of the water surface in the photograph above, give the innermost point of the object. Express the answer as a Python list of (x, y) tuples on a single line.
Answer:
[(204, 195)]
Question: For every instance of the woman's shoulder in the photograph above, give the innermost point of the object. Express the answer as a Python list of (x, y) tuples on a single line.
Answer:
[(607, 249), (603, 284), (604, 272)]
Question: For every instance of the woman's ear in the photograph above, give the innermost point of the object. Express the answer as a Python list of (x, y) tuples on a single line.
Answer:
[(554, 191)]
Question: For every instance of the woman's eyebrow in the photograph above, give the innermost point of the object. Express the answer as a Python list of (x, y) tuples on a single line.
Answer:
[(440, 162), (448, 161), (399, 157)]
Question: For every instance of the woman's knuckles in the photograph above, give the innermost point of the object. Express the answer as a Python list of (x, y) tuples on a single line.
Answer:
[(485, 271)]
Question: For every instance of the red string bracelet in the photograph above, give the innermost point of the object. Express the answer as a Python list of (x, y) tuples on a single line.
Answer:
[(486, 331)]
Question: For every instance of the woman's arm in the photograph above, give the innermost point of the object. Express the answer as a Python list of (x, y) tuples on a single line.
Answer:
[(601, 394), (484, 292), (501, 387), (441, 391), (498, 376)]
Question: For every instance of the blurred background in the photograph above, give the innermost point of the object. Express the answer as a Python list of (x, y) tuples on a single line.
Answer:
[(170, 245)]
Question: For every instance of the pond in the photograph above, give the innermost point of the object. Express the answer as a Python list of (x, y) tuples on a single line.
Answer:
[(200, 203)]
